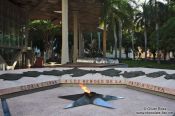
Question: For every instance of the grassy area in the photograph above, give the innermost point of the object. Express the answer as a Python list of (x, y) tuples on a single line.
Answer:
[(149, 64)]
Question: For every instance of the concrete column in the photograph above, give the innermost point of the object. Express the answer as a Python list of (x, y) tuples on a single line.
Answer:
[(75, 20), (99, 40), (104, 40), (26, 34), (26, 39), (18, 41), (81, 43), (65, 48), (91, 37)]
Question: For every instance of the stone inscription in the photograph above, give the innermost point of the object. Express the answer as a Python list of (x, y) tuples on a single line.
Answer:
[(121, 82), (28, 87), (39, 85), (91, 81), (146, 86)]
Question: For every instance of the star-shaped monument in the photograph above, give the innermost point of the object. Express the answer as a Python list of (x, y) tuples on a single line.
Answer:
[(90, 98)]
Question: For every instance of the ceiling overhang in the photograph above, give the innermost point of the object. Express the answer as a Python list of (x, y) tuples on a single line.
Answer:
[(89, 11)]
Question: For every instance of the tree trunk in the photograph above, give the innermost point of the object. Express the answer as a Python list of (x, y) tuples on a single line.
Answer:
[(164, 55), (157, 42), (115, 38), (174, 54), (120, 38), (126, 52), (132, 39), (168, 2), (154, 54), (45, 41), (145, 41)]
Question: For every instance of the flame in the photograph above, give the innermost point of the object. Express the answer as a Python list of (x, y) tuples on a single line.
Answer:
[(85, 89)]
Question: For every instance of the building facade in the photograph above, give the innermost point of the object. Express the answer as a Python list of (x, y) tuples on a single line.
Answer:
[(76, 16), (12, 32)]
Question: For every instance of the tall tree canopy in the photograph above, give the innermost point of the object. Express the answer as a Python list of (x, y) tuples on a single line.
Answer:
[(42, 33)]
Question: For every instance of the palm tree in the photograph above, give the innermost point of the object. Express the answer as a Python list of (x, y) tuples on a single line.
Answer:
[(104, 19), (114, 12), (142, 20), (160, 10), (115, 33)]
